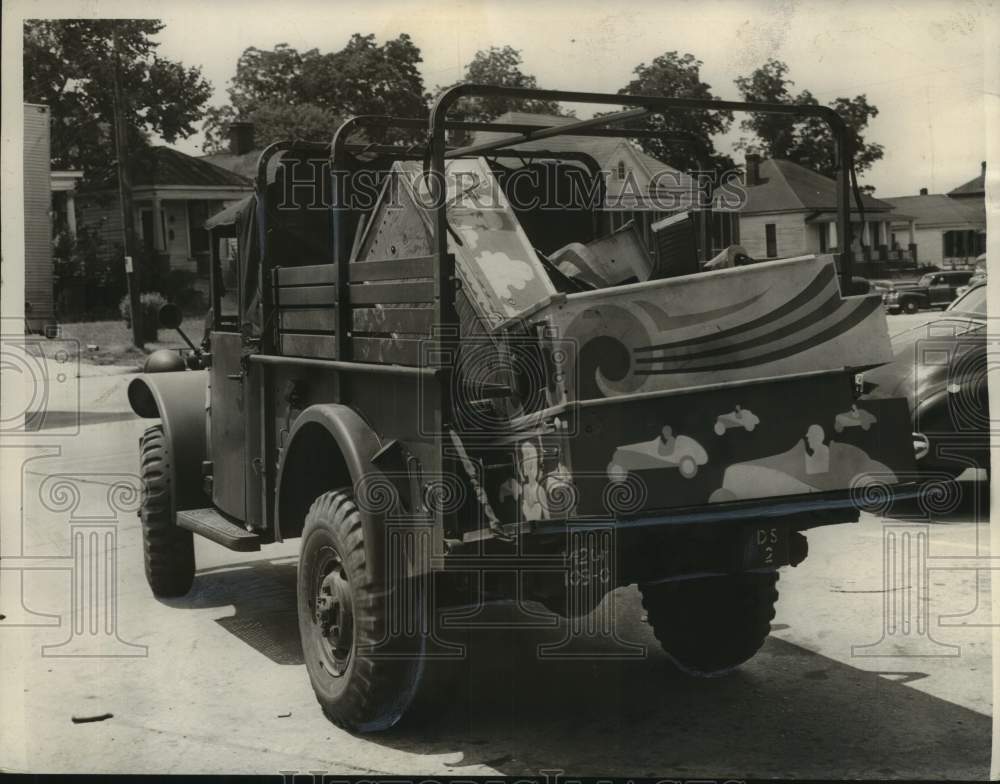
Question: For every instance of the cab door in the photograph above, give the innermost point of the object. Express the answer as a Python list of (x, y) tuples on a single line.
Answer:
[(228, 425), (226, 403)]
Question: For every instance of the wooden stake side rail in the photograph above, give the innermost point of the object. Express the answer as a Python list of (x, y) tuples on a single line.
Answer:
[(391, 306)]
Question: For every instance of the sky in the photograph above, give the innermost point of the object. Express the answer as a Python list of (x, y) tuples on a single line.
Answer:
[(926, 65)]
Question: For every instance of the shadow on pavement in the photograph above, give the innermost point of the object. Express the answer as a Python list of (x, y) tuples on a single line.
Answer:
[(263, 596), (787, 713), (45, 419)]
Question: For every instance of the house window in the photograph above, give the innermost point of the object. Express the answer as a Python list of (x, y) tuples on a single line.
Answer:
[(621, 170), (823, 231), (771, 238)]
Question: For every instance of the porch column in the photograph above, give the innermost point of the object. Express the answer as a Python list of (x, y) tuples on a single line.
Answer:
[(71, 215), (832, 236), (158, 243), (883, 245), (866, 241), (913, 241)]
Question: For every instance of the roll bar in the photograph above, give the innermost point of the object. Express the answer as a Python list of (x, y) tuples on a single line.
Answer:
[(653, 104), (435, 151)]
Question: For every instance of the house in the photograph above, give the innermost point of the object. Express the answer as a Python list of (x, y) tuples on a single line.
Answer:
[(790, 210), (173, 194), (951, 227)]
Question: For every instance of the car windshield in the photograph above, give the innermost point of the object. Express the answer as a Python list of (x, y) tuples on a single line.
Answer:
[(973, 301)]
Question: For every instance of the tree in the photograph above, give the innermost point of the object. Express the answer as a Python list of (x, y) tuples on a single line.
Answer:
[(679, 76), (67, 65), (501, 66), (807, 141), (306, 95)]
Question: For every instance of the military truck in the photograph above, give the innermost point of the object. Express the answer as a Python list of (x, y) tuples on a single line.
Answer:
[(432, 377)]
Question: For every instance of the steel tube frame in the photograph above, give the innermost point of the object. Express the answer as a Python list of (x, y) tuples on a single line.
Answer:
[(444, 101)]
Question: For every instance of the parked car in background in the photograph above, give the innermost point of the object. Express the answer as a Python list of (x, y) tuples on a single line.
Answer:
[(978, 276), (935, 289), (941, 367)]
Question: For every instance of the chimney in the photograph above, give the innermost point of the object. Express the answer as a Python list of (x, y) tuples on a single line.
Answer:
[(753, 169), (982, 170), (923, 191), (240, 137)]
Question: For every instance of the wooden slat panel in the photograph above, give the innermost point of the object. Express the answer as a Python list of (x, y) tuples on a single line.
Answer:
[(307, 319), (421, 267), (391, 293), (417, 320), (387, 351), (307, 276), (300, 296), (320, 346)]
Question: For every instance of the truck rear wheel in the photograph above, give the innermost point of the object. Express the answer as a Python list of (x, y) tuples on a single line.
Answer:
[(342, 617), (168, 551), (709, 626)]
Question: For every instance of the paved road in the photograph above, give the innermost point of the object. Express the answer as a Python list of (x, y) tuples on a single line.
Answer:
[(215, 682)]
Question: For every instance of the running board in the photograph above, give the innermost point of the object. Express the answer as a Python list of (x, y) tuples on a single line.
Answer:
[(212, 525)]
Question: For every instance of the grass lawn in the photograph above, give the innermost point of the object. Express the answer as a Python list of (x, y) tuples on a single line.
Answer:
[(110, 342)]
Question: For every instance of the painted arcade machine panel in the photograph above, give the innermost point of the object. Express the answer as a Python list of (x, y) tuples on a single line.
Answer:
[(734, 443), (759, 321), (499, 270)]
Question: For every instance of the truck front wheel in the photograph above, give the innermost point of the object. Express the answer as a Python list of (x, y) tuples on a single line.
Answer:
[(710, 625), (168, 550), (363, 678), (911, 306)]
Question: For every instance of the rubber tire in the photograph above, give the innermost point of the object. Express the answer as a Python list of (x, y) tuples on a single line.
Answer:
[(709, 626), (168, 551), (373, 693), (911, 306)]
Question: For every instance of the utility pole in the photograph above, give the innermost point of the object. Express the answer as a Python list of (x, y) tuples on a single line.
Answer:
[(125, 196)]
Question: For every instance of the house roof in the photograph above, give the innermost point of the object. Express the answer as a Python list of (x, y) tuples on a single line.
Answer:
[(974, 187), (788, 187), (162, 166), (244, 165), (937, 209), (605, 150)]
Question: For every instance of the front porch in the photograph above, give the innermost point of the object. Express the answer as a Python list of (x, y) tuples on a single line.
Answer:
[(875, 244)]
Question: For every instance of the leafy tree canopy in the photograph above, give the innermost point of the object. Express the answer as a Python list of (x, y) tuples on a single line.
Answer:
[(501, 66), (306, 95), (69, 65), (808, 141), (673, 75)]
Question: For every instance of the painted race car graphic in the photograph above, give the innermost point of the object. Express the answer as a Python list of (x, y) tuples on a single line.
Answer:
[(738, 417), (665, 451), (810, 466), (856, 417)]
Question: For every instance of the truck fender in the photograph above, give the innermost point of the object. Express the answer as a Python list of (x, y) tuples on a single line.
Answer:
[(178, 400), (331, 446)]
